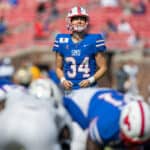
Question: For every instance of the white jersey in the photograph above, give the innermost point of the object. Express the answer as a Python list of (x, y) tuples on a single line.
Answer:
[(30, 122)]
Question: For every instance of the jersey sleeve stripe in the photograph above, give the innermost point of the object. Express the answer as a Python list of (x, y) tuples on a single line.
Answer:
[(56, 45), (93, 130), (98, 138), (99, 41), (98, 45)]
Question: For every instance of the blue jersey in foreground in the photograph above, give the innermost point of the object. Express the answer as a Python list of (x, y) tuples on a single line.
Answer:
[(97, 106)]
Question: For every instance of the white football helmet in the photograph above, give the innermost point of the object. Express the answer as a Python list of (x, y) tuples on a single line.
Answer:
[(135, 122), (45, 88), (77, 11)]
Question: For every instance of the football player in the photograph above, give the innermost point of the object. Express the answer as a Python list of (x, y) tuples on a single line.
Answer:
[(33, 122), (80, 59), (110, 117)]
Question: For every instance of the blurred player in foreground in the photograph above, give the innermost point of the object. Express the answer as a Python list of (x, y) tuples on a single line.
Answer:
[(32, 121), (111, 118)]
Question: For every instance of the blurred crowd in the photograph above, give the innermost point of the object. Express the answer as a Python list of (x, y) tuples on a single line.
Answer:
[(43, 20), (125, 22)]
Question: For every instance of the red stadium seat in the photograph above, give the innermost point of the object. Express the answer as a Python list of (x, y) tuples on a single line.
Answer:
[(21, 18)]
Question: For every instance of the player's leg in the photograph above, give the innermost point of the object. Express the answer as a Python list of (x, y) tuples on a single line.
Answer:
[(79, 138)]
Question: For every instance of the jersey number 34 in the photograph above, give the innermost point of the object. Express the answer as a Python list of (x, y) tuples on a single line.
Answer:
[(83, 67)]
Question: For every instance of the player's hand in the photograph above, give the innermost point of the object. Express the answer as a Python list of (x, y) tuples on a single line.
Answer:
[(84, 83), (67, 84)]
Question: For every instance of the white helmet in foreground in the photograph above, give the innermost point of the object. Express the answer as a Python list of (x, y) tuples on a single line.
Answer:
[(75, 12), (45, 88), (135, 122)]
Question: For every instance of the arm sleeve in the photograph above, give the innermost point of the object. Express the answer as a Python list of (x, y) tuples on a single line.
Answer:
[(99, 44), (57, 45)]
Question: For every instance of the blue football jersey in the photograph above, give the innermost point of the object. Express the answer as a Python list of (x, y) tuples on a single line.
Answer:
[(101, 106), (79, 58)]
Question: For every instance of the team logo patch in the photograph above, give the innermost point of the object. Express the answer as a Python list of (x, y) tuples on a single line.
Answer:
[(63, 40)]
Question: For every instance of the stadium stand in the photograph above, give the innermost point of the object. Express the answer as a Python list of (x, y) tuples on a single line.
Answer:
[(20, 19)]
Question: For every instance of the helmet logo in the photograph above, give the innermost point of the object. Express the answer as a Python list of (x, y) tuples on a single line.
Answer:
[(79, 10), (126, 122)]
